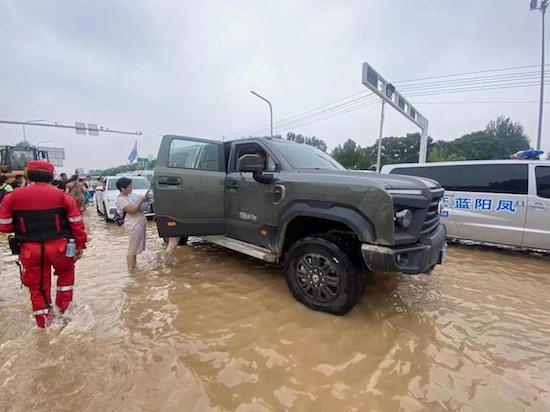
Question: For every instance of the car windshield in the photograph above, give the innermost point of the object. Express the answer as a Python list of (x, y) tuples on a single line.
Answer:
[(140, 183), (303, 156)]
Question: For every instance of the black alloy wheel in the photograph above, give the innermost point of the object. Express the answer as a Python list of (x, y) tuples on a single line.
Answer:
[(318, 278), (323, 273)]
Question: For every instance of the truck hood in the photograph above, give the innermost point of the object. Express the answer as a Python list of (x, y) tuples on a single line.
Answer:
[(384, 181)]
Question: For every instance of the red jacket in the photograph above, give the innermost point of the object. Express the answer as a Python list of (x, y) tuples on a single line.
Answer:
[(42, 196)]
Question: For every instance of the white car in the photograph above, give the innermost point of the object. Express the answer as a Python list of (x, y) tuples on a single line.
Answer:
[(105, 197)]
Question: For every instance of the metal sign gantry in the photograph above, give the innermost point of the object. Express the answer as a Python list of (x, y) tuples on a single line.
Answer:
[(387, 92)]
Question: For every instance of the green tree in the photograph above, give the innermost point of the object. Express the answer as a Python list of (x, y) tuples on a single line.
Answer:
[(511, 134), (400, 149), (501, 138), (312, 141), (348, 154), (443, 152)]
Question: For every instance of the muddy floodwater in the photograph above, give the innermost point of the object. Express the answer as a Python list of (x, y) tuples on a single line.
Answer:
[(210, 329)]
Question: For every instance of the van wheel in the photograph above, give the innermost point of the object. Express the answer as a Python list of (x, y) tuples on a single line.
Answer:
[(322, 276)]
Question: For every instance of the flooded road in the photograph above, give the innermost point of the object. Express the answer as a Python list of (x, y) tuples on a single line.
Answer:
[(210, 329)]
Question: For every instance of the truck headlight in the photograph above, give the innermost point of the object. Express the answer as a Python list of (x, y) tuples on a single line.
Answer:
[(404, 218)]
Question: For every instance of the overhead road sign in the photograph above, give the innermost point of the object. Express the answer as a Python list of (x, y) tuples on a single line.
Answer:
[(80, 127), (389, 94), (380, 86)]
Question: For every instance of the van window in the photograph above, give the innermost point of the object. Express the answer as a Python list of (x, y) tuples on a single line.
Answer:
[(492, 178), (188, 154), (442, 174), (543, 181)]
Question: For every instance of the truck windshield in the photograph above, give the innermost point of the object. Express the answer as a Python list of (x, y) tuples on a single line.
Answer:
[(20, 158), (302, 156)]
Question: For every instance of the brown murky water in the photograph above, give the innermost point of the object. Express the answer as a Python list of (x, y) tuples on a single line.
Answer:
[(212, 329)]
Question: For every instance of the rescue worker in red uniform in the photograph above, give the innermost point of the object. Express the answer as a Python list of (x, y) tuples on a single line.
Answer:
[(43, 219)]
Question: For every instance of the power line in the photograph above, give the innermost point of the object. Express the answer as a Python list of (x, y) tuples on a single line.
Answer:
[(329, 116), (303, 113), (468, 84), (472, 89), (486, 102), (466, 73), (360, 105), (289, 120), (473, 80)]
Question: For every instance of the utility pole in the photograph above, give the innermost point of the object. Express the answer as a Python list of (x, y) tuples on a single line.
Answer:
[(542, 8), (379, 155), (270, 109)]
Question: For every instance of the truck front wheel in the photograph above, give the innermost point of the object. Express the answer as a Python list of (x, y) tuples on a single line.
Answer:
[(322, 276)]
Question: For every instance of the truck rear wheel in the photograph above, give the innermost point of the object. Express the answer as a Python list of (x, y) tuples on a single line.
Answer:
[(322, 276)]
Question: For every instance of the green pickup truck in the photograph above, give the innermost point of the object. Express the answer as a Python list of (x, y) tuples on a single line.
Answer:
[(290, 203)]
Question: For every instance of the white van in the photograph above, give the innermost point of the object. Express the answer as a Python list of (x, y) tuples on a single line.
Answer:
[(492, 201)]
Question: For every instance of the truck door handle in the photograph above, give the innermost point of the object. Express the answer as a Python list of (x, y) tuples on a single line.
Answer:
[(537, 206), (169, 180), (232, 184)]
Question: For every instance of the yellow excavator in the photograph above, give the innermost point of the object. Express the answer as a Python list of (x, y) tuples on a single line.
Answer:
[(13, 159)]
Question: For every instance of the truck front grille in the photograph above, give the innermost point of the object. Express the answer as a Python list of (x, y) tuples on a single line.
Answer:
[(432, 216)]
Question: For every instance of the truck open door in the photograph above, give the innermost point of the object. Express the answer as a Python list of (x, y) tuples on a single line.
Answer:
[(188, 187)]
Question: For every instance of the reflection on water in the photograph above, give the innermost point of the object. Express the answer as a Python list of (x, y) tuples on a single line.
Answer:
[(209, 328)]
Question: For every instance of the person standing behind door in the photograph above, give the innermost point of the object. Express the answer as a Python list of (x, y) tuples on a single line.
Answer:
[(135, 222)]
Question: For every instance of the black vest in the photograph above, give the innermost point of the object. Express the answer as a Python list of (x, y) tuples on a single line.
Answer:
[(41, 225)]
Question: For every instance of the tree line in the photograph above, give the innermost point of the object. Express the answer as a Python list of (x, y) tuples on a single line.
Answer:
[(500, 139)]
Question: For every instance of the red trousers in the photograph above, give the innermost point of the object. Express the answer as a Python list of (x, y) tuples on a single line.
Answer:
[(37, 260)]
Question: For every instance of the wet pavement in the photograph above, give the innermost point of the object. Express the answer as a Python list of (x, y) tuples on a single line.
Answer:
[(210, 329)]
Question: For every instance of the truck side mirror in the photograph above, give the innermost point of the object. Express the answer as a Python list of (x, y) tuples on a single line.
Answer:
[(250, 163)]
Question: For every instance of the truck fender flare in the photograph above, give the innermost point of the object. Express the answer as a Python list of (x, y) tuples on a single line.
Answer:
[(360, 225)]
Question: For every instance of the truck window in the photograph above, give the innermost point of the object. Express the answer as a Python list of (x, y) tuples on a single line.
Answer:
[(187, 154), (543, 181), (442, 174), (492, 178)]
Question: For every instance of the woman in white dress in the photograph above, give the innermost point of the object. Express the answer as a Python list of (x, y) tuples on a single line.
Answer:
[(135, 222)]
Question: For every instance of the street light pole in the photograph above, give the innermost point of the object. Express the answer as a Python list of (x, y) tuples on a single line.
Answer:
[(29, 121), (542, 8), (270, 109), (379, 156)]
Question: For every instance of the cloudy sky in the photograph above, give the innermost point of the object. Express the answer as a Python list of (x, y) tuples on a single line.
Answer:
[(187, 67)]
